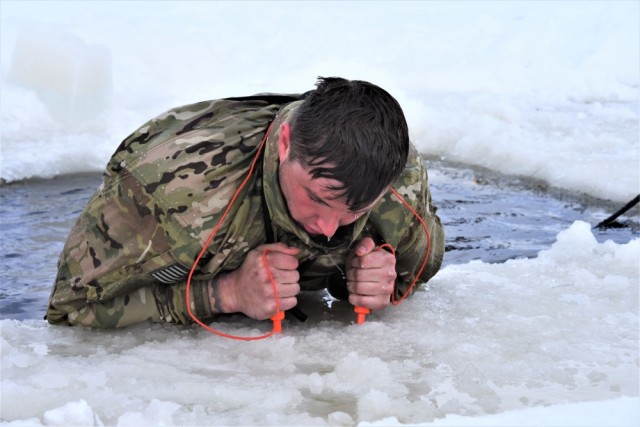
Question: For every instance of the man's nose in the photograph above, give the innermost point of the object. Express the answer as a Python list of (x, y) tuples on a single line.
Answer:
[(328, 226)]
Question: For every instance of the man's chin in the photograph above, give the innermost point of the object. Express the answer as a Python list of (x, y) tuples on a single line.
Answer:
[(311, 232), (319, 238)]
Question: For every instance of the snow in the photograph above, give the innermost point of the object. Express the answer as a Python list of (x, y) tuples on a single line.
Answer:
[(541, 89)]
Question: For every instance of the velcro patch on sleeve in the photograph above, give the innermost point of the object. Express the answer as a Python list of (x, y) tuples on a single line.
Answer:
[(171, 274)]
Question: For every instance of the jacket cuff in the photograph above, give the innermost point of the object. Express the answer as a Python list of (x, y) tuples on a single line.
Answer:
[(200, 299)]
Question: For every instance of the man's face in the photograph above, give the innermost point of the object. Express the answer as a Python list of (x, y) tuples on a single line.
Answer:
[(310, 201)]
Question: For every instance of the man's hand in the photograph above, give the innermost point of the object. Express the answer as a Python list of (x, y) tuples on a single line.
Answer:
[(249, 290), (371, 275)]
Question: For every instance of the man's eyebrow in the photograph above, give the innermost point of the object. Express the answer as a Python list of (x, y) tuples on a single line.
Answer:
[(315, 197)]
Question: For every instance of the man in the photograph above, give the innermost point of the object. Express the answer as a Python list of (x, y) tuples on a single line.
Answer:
[(319, 201)]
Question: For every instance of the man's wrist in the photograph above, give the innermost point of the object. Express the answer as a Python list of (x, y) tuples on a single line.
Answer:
[(220, 298)]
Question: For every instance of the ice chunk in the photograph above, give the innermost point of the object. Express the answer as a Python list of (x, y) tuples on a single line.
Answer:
[(72, 78), (71, 414), (157, 413)]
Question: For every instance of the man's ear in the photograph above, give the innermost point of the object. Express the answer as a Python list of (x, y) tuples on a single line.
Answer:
[(284, 143)]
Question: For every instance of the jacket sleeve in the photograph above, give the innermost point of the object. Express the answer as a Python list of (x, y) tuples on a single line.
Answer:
[(108, 269), (155, 303), (118, 266)]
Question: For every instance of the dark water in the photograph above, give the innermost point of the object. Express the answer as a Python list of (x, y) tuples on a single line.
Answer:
[(493, 218), (487, 217)]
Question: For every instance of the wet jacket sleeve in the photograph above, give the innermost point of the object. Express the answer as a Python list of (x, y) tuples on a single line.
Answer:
[(108, 269), (155, 303)]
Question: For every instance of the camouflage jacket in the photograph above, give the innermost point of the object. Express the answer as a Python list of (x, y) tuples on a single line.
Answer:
[(165, 188)]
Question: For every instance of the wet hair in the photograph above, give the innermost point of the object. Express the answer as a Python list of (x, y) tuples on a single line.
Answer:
[(354, 132)]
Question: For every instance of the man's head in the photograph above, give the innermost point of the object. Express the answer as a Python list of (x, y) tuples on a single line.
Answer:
[(346, 144)]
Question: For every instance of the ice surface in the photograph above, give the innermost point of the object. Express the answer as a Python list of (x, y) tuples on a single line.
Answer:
[(611, 413), (481, 339)]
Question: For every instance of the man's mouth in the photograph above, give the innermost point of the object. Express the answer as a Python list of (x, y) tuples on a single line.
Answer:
[(312, 232)]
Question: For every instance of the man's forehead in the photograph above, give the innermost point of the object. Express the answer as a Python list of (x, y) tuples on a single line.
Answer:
[(336, 197), (328, 189), (331, 191)]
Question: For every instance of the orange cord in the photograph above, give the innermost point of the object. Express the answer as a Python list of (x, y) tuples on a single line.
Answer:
[(204, 249), (279, 316), (426, 257)]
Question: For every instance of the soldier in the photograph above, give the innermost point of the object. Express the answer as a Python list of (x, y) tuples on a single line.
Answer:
[(313, 182)]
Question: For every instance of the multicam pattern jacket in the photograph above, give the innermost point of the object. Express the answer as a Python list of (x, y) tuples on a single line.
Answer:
[(165, 188)]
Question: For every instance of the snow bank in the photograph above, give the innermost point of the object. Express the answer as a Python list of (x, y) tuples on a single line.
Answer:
[(548, 90)]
